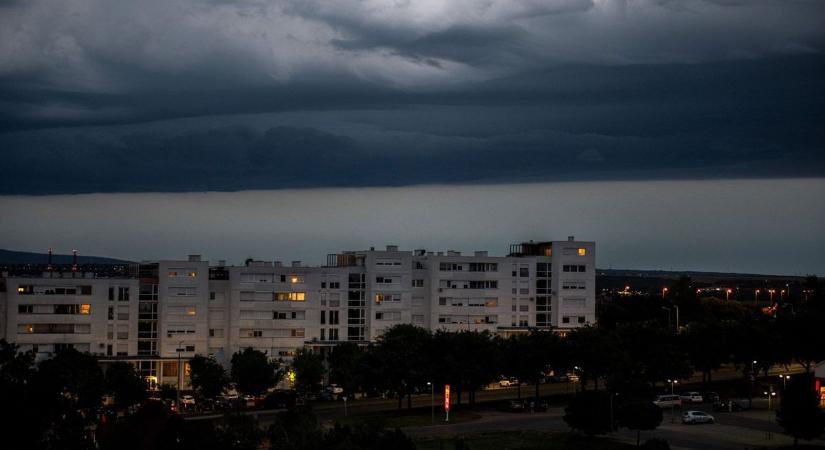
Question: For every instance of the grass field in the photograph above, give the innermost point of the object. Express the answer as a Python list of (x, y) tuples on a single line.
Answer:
[(414, 418), (521, 440)]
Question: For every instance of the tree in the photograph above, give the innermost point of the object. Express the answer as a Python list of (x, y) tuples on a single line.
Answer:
[(640, 415), (238, 432), (295, 430), (596, 352), (253, 371), (345, 366), (589, 412), (401, 356), (309, 370), (17, 417), (167, 391), (66, 389), (208, 376), (799, 412), (127, 386)]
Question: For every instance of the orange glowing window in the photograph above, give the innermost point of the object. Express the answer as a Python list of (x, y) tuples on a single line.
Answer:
[(582, 251), (85, 309)]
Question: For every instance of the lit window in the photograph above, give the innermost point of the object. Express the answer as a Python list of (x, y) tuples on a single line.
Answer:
[(582, 251), (294, 279), (172, 274), (191, 311), (548, 251), (192, 274), (85, 309), (21, 290)]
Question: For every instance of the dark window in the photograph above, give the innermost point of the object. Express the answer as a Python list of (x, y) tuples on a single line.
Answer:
[(323, 317), (524, 272), (111, 294)]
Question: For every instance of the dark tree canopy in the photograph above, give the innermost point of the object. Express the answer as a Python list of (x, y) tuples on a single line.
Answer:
[(799, 412), (208, 376), (253, 371), (309, 371), (589, 412), (125, 384)]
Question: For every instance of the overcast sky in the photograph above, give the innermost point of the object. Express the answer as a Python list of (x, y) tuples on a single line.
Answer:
[(107, 97), (103, 96)]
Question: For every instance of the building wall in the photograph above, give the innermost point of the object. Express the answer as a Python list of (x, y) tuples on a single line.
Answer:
[(278, 308)]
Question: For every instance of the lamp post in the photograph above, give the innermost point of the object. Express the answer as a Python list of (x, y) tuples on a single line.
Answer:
[(727, 295), (756, 297), (432, 402), (177, 395), (668, 316), (784, 379), (664, 292), (673, 405), (771, 292)]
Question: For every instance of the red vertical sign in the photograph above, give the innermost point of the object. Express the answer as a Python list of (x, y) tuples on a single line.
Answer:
[(447, 397)]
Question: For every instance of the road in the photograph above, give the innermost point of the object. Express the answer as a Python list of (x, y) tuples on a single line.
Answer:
[(750, 429)]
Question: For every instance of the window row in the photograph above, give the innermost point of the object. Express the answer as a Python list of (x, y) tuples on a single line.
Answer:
[(30, 289), (54, 328), (489, 302), (55, 309), (574, 268)]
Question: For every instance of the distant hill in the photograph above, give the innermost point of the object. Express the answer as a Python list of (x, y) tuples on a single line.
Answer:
[(11, 257), (696, 275)]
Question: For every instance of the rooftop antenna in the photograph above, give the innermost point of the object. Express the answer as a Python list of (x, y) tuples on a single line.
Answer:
[(49, 268), (74, 262)]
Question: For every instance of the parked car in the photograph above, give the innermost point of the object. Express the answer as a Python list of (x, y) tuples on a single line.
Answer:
[(507, 382), (691, 397), (187, 401), (731, 405), (711, 397), (693, 417), (668, 401), (335, 389), (515, 406)]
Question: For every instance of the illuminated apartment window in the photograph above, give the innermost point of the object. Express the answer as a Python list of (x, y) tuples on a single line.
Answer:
[(290, 296), (192, 274), (172, 274), (582, 251), (191, 311), (85, 308)]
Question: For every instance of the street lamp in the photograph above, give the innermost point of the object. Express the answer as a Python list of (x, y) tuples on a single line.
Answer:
[(756, 296), (432, 402), (177, 404), (727, 294), (664, 291), (771, 291), (784, 379)]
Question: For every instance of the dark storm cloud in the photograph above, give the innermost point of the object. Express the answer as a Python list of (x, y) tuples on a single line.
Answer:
[(317, 93)]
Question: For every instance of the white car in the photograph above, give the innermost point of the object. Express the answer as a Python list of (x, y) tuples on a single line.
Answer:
[(697, 417), (187, 400), (668, 401), (335, 389), (691, 397)]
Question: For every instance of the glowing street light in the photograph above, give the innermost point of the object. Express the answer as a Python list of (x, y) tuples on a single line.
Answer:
[(727, 294), (771, 291), (756, 296)]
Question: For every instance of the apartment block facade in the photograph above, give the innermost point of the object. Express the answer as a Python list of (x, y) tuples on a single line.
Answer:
[(165, 312)]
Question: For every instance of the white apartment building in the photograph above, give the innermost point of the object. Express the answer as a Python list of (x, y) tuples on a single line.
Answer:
[(168, 311)]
